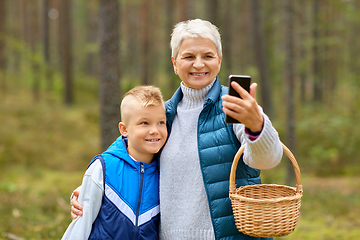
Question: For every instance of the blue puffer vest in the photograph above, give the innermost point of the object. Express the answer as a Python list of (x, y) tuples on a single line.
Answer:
[(217, 145), (130, 205)]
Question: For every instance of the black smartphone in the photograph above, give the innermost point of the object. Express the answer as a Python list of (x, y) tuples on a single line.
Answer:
[(244, 82)]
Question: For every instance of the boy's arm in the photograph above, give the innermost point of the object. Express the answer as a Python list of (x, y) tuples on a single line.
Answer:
[(90, 198)]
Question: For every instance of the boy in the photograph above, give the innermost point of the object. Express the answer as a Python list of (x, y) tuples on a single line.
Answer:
[(120, 189)]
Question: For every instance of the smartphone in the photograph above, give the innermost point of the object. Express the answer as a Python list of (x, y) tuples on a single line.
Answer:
[(244, 82)]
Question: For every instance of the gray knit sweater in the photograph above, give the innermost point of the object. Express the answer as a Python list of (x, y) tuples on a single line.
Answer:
[(183, 202)]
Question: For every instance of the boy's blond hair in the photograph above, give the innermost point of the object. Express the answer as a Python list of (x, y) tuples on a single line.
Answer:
[(144, 95)]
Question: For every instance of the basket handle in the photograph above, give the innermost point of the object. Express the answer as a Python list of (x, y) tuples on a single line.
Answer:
[(232, 187)]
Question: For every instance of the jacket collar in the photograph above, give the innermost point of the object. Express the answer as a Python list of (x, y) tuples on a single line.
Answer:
[(214, 92)]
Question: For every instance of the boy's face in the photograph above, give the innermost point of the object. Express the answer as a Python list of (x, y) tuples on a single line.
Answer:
[(146, 130)]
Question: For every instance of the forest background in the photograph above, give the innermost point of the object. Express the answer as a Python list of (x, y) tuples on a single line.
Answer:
[(64, 66)]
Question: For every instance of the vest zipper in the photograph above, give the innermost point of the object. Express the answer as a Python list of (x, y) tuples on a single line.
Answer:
[(142, 170)]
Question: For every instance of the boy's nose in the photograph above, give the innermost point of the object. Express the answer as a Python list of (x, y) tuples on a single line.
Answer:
[(154, 130)]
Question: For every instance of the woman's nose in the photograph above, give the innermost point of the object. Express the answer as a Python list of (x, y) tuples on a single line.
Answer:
[(198, 63)]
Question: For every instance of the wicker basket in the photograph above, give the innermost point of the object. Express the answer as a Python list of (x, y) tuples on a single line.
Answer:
[(266, 210)]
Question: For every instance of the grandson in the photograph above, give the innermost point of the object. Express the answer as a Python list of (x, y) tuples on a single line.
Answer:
[(120, 188)]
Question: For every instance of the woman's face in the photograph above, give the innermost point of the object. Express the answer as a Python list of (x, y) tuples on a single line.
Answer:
[(197, 62)]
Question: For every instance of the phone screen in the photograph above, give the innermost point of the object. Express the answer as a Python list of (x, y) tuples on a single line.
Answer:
[(244, 82)]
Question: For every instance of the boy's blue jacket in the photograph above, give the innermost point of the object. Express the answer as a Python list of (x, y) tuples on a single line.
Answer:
[(130, 205)]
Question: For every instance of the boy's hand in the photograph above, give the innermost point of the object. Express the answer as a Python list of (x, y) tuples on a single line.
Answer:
[(76, 208)]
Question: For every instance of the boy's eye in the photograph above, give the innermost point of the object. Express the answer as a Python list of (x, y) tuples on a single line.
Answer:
[(161, 122), (143, 123)]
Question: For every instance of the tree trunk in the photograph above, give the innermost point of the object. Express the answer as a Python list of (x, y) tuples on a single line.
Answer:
[(213, 13), (109, 71), (33, 35), (91, 36), (185, 9), (2, 48), (145, 43), (290, 83), (303, 70), (132, 21), (260, 57), (46, 41), (318, 94), (169, 9), (66, 41), (227, 39)]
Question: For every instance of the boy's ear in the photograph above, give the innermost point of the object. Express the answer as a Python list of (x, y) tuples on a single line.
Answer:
[(123, 129)]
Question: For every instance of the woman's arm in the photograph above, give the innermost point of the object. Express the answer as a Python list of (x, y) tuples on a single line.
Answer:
[(263, 152)]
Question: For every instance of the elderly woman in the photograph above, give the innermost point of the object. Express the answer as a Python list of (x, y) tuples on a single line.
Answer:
[(196, 159)]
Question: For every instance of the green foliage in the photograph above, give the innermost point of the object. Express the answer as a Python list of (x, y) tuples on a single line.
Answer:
[(47, 133), (35, 201), (328, 140), (45, 148)]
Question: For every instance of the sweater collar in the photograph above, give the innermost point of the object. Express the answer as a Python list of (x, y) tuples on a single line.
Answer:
[(194, 98), (171, 104)]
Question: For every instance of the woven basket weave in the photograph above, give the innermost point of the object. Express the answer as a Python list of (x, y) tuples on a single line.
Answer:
[(266, 210)]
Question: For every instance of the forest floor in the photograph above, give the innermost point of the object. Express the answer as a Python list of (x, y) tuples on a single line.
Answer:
[(35, 205)]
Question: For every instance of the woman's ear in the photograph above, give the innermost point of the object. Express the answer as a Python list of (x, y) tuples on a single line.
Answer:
[(220, 60), (174, 65), (123, 129)]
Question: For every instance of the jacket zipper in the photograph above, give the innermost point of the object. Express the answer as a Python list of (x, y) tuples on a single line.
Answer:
[(142, 170)]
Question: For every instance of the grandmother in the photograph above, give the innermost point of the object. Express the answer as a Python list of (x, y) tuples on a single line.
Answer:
[(196, 159)]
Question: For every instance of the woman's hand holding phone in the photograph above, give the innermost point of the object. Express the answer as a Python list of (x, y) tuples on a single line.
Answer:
[(240, 105)]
